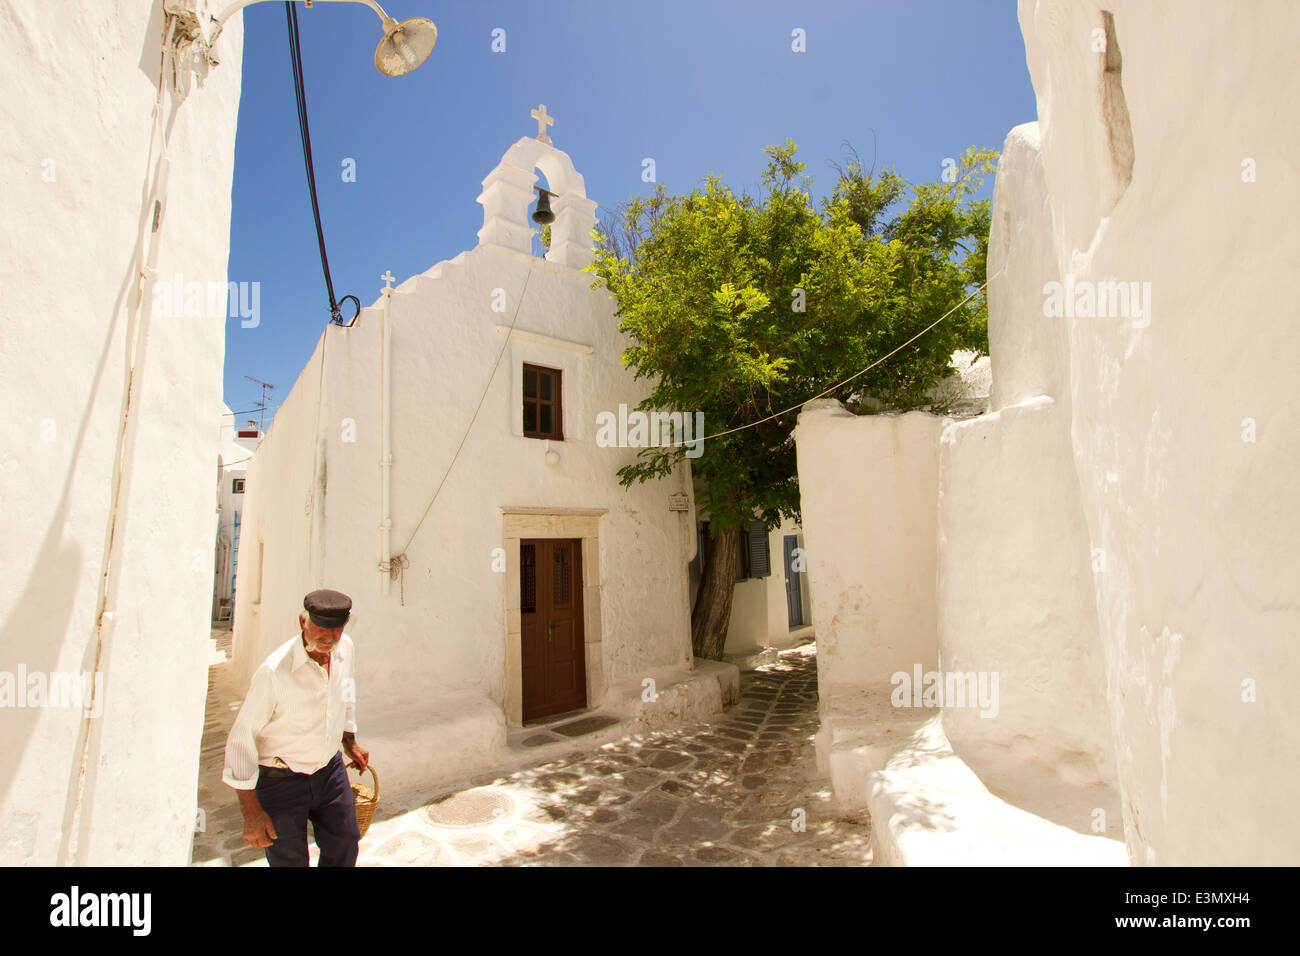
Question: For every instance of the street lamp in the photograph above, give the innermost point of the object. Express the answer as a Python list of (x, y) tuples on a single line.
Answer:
[(404, 47)]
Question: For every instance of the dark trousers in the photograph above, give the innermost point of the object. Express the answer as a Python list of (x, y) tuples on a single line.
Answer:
[(325, 798)]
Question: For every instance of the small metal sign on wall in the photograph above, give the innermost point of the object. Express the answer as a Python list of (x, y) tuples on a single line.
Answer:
[(678, 502)]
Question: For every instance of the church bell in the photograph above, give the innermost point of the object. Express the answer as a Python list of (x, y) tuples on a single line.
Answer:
[(542, 214)]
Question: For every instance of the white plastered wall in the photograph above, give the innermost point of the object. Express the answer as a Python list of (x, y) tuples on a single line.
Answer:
[(81, 81), (1196, 524), (1015, 581), (280, 500)]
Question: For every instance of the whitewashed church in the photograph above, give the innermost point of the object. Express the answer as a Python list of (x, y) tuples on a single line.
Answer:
[(521, 583)]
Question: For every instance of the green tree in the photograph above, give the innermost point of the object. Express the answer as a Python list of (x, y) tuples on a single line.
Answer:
[(741, 307)]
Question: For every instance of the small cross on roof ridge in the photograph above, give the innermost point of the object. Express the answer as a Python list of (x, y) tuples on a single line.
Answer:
[(543, 121)]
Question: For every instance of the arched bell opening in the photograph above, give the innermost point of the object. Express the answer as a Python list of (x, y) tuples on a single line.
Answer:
[(542, 214), (510, 197)]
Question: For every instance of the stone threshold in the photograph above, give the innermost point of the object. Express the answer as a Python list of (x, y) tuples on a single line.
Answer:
[(548, 740)]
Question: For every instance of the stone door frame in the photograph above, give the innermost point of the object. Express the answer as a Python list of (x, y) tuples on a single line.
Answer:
[(581, 523)]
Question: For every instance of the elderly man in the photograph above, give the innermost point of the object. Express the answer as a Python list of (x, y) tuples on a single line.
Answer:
[(283, 756)]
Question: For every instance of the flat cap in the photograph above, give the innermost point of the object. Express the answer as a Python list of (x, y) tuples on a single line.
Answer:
[(327, 608)]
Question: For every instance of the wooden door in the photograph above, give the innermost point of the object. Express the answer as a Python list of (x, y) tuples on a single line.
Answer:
[(550, 606)]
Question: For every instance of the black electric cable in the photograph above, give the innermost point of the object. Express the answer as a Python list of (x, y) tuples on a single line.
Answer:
[(295, 59)]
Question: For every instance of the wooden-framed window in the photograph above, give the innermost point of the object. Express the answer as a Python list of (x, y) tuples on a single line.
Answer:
[(237, 486), (543, 409)]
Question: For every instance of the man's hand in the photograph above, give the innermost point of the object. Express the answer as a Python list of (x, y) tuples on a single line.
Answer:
[(259, 832), (360, 757)]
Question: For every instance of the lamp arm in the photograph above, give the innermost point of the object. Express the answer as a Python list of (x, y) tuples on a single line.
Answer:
[(238, 5)]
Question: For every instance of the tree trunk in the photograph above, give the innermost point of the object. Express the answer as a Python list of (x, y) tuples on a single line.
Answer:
[(712, 611)]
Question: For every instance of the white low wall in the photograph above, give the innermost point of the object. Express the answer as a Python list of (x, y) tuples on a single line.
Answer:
[(1003, 587), (963, 551), (868, 486), (1015, 568), (1015, 596)]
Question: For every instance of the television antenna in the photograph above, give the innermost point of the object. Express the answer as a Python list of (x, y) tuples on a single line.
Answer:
[(261, 402)]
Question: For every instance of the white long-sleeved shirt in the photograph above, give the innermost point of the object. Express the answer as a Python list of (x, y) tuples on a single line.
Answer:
[(294, 714)]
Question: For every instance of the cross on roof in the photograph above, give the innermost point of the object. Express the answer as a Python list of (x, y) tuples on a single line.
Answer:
[(543, 121), (388, 279)]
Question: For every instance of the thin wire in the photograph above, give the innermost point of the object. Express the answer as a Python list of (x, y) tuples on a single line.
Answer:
[(249, 411), (715, 435), (739, 428), (495, 365)]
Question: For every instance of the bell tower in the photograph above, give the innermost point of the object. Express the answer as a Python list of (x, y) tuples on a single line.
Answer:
[(508, 192)]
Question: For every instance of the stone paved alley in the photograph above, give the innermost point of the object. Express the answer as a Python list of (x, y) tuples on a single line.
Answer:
[(729, 792)]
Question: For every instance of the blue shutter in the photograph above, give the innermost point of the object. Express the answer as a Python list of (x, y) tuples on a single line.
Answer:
[(760, 557)]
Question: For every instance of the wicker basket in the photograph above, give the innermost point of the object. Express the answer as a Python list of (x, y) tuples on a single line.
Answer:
[(367, 801)]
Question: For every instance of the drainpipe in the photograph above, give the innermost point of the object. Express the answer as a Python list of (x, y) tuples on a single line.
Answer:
[(386, 453)]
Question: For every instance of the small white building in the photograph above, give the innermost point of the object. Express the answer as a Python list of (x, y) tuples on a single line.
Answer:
[(771, 606), (438, 461), (237, 446)]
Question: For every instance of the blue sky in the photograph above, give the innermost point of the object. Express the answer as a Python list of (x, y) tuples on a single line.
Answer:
[(700, 87)]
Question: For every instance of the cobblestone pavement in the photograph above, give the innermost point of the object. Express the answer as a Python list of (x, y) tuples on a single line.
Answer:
[(218, 835), (739, 790)]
